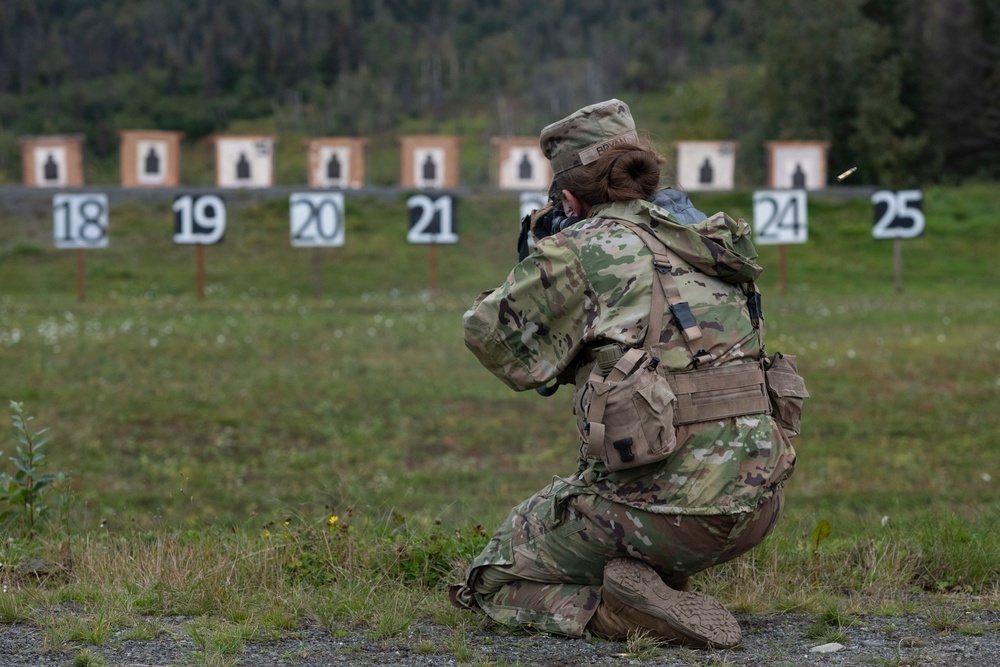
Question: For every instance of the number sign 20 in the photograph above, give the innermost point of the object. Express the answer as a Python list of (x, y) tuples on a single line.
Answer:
[(780, 217), (532, 201), (431, 219), (317, 219), (199, 220), (898, 215), (80, 221)]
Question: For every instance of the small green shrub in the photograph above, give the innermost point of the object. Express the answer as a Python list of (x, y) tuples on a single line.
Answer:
[(431, 558), (23, 496)]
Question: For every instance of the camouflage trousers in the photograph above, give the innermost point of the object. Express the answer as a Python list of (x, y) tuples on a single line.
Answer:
[(545, 565)]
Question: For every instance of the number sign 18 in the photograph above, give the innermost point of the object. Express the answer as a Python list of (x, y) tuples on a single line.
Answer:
[(317, 219), (898, 214), (779, 217), (431, 219), (80, 221)]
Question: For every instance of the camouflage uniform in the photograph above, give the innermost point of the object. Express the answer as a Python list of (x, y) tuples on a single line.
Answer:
[(713, 498)]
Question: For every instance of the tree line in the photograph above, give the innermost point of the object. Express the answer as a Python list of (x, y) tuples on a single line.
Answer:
[(908, 90)]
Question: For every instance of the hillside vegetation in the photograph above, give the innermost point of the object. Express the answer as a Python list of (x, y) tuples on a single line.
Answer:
[(879, 79)]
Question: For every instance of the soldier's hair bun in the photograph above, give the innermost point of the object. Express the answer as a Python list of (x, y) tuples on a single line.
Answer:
[(621, 173)]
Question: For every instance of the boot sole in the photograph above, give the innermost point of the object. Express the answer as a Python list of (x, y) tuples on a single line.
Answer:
[(699, 618)]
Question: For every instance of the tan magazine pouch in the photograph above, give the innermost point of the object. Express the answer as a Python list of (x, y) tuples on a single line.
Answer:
[(630, 419), (787, 391)]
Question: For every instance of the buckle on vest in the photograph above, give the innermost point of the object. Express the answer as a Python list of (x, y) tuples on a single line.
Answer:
[(662, 267), (624, 447)]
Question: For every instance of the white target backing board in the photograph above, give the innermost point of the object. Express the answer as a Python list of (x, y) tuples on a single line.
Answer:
[(779, 217), (51, 166), (152, 159), (428, 167), (336, 162), (521, 165), (797, 165), (706, 165), (52, 161), (333, 167), (244, 162), (428, 161)]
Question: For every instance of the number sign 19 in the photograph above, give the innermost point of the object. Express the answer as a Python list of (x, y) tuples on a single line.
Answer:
[(779, 217), (898, 214), (80, 221), (199, 220), (431, 219), (317, 219)]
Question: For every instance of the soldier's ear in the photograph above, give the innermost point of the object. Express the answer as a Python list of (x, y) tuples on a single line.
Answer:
[(573, 206)]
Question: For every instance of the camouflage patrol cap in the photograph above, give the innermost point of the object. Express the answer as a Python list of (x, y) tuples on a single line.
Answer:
[(581, 137)]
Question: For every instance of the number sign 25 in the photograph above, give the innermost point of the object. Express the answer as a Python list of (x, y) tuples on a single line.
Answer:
[(779, 217), (431, 220), (898, 214), (199, 220), (317, 219), (80, 221)]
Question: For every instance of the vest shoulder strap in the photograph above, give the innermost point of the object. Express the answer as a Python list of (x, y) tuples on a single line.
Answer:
[(664, 260)]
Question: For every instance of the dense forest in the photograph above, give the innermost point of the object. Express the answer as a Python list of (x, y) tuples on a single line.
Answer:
[(908, 90)]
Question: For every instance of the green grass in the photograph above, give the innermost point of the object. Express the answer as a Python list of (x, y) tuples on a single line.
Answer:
[(190, 428)]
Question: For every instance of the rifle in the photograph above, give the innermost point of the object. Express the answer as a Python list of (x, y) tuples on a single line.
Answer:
[(546, 221)]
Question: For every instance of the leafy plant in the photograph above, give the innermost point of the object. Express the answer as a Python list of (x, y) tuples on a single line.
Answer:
[(819, 535), (431, 557), (22, 496)]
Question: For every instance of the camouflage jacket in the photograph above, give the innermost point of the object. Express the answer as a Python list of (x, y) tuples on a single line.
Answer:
[(592, 284)]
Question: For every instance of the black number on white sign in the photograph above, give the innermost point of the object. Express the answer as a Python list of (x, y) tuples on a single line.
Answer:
[(80, 221), (780, 217), (317, 219)]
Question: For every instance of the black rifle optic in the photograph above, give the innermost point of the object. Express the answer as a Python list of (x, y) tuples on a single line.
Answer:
[(546, 221)]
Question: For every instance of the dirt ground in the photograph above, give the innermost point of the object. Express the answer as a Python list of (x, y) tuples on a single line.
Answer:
[(969, 638)]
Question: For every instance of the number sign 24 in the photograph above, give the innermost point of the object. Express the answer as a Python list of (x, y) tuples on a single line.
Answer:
[(898, 214), (80, 221), (199, 220), (779, 217)]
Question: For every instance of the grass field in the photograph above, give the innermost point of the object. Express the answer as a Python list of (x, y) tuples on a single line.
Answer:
[(188, 426)]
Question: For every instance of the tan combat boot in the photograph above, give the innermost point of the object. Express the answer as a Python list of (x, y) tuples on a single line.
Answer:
[(635, 599)]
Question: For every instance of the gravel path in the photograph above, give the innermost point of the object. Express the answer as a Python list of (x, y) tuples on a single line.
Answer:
[(770, 641)]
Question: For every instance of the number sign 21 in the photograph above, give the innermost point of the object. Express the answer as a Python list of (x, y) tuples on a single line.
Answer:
[(431, 219), (199, 220), (898, 215)]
